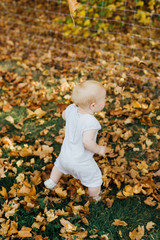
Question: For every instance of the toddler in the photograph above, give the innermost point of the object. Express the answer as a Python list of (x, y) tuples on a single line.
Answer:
[(79, 145)]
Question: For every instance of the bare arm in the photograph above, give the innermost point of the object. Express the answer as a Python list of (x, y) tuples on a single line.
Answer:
[(63, 115), (89, 143)]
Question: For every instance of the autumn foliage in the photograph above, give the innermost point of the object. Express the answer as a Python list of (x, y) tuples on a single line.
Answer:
[(37, 75)]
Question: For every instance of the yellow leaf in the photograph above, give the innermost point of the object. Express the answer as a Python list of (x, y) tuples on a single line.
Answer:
[(128, 191), (136, 104), (80, 191), (140, 4)]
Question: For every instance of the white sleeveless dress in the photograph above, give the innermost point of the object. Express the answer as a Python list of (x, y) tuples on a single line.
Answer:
[(74, 158)]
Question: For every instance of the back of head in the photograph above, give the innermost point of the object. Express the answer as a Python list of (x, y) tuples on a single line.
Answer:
[(86, 92)]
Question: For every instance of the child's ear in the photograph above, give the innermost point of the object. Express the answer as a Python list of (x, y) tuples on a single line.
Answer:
[(92, 105)]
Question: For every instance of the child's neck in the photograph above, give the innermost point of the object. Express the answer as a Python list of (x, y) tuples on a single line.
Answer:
[(85, 111)]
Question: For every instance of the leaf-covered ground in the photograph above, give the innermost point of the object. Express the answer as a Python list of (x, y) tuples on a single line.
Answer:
[(38, 70), (32, 131)]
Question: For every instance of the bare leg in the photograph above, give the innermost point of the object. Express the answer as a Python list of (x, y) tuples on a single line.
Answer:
[(94, 192), (54, 178), (55, 174)]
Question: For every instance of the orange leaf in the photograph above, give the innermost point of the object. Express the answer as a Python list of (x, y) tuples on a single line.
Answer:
[(13, 228), (153, 130), (7, 107), (4, 193), (128, 191), (25, 232), (137, 233), (149, 225), (60, 192), (25, 152), (118, 222), (73, 5), (149, 201)]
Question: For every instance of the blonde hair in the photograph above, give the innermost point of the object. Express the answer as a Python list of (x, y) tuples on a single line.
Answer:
[(86, 92)]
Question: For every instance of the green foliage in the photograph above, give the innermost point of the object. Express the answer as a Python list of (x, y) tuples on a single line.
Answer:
[(97, 17)]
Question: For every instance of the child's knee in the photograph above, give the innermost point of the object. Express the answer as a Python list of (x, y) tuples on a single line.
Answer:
[(94, 191)]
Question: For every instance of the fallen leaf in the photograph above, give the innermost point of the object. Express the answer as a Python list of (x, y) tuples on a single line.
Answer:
[(150, 202), (25, 152), (36, 178), (150, 225), (13, 228), (60, 192), (137, 233), (153, 130), (128, 191), (2, 172), (10, 119), (80, 191), (4, 193), (69, 227), (7, 107), (118, 222), (109, 202), (51, 215), (73, 5), (25, 232)]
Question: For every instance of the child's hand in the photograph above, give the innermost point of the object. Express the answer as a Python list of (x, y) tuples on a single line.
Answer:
[(102, 150)]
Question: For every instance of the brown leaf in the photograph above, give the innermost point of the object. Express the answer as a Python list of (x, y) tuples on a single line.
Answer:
[(118, 222), (38, 237), (44, 132), (36, 178), (73, 5), (137, 233), (43, 151), (109, 202), (25, 232)]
